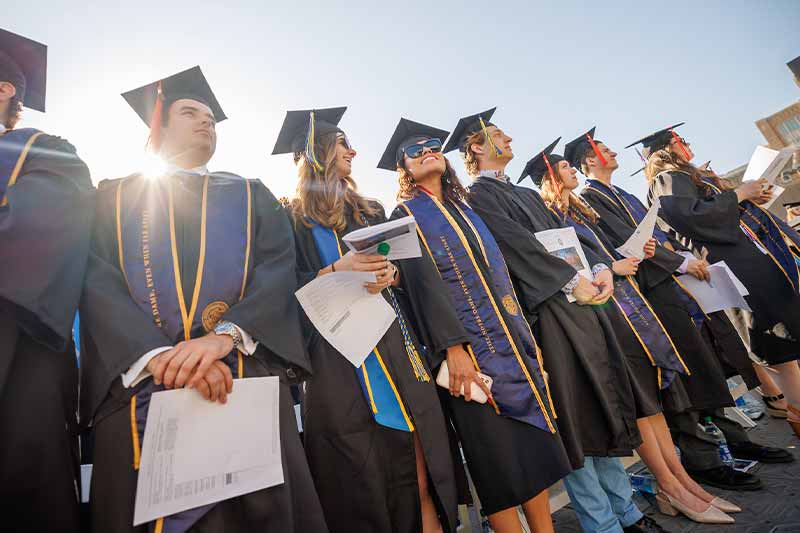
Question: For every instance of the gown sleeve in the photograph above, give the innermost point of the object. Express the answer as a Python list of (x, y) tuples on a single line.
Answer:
[(45, 230)]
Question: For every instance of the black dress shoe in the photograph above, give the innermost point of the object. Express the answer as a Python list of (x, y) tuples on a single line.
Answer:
[(645, 525), (762, 454), (725, 477)]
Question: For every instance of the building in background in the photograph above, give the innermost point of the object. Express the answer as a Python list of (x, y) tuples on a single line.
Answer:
[(781, 130)]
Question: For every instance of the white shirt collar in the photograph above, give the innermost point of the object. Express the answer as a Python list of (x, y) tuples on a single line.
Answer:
[(197, 171), (498, 175)]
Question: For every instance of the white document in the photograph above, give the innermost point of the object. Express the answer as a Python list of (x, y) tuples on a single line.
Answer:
[(795, 223), (777, 190), (400, 235), (722, 292), (345, 314), (564, 244), (634, 246), (766, 163), (739, 285), (196, 452)]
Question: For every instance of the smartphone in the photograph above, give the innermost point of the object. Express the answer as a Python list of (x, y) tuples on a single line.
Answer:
[(443, 380)]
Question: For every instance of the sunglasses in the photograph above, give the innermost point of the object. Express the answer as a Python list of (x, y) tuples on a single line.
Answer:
[(415, 150)]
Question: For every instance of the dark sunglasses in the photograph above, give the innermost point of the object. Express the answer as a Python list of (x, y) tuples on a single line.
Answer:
[(415, 150)]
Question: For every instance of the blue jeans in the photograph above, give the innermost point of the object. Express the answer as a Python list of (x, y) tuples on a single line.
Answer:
[(601, 495)]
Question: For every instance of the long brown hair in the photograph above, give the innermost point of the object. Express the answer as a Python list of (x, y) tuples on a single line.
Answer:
[(323, 196), (552, 198), (451, 185), (665, 161)]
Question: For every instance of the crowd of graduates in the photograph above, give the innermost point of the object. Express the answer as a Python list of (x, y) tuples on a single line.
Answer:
[(187, 280)]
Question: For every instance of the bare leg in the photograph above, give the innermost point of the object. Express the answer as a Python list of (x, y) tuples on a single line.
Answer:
[(787, 377), (430, 519), (652, 455), (506, 521), (667, 446), (537, 513), (768, 385)]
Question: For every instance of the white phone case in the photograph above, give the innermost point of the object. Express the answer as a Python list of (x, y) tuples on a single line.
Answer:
[(443, 380)]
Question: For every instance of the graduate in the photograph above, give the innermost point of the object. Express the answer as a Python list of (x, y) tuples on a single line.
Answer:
[(190, 284), (375, 435), (511, 443), (651, 352), (596, 420), (46, 209), (707, 213)]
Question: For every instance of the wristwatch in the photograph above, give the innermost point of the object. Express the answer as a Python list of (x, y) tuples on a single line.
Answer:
[(228, 328)]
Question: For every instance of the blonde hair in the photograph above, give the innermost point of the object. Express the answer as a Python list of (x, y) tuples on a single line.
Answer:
[(551, 197), (323, 196), (470, 157), (665, 161)]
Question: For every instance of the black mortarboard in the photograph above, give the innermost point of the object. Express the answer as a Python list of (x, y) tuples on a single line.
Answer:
[(794, 66), (293, 136), (467, 126), (542, 162), (190, 84), (789, 205), (23, 63), (640, 170), (405, 134), (576, 149), (658, 140)]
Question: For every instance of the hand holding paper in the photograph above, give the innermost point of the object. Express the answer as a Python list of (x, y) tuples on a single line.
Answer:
[(634, 246), (397, 239)]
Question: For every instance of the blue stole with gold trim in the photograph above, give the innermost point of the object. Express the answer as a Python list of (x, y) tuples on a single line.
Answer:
[(769, 234), (376, 383), (149, 258), (646, 326), (519, 389), (14, 147)]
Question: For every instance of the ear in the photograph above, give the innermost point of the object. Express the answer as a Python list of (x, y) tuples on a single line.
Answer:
[(476, 148), (7, 91)]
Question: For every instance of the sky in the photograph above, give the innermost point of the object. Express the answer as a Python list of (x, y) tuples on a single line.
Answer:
[(552, 69)]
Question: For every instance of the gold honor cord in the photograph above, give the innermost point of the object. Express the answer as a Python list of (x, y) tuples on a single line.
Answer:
[(18, 167)]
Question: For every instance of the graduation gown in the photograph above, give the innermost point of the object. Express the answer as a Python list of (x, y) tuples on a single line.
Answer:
[(365, 473), (713, 352), (711, 220), (589, 378), (498, 449), (116, 332), (44, 239)]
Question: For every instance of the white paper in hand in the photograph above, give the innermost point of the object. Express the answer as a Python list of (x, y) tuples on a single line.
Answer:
[(767, 163), (197, 452), (722, 292), (634, 246), (564, 244), (400, 235), (347, 316)]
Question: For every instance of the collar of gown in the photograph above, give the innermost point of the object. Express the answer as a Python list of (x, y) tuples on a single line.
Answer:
[(196, 171), (498, 175)]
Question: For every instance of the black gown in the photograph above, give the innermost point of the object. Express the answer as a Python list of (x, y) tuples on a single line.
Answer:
[(116, 332), (589, 378), (713, 353), (44, 242), (365, 473), (498, 450), (712, 221)]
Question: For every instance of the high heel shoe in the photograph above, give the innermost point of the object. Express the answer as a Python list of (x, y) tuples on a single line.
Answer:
[(671, 507), (771, 404), (725, 505)]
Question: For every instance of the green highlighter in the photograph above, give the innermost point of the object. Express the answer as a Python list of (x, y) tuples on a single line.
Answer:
[(383, 248)]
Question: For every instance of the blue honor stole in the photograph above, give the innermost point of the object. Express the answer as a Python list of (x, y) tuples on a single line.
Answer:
[(149, 258), (519, 389), (14, 148), (769, 234), (643, 321), (376, 382), (636, 212)]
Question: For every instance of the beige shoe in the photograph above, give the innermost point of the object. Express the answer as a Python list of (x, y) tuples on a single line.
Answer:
[(725, 505), (671, 507)]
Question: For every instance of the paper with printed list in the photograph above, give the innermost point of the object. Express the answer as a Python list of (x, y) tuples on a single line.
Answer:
[(634, 246), (347, 316), (196, 452), (724, 290)]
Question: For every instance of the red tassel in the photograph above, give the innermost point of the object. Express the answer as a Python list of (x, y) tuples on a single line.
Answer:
[(602, 159), (680, 145), (154, 141), (549, 168)]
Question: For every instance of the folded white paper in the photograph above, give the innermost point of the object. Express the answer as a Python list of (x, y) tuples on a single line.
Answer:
[(777, 190), (767, 163), (564, 244), (400, 235), (634, 246), (345, 314), (196, 452), (724, 290)]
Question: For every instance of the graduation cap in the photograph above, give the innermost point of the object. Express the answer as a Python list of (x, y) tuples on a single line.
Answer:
[(152, 100), (659, 140), (468, 126), (304, 127), (23, 63), (405, 134), (789, 205), (541, 163), (576, 149)]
